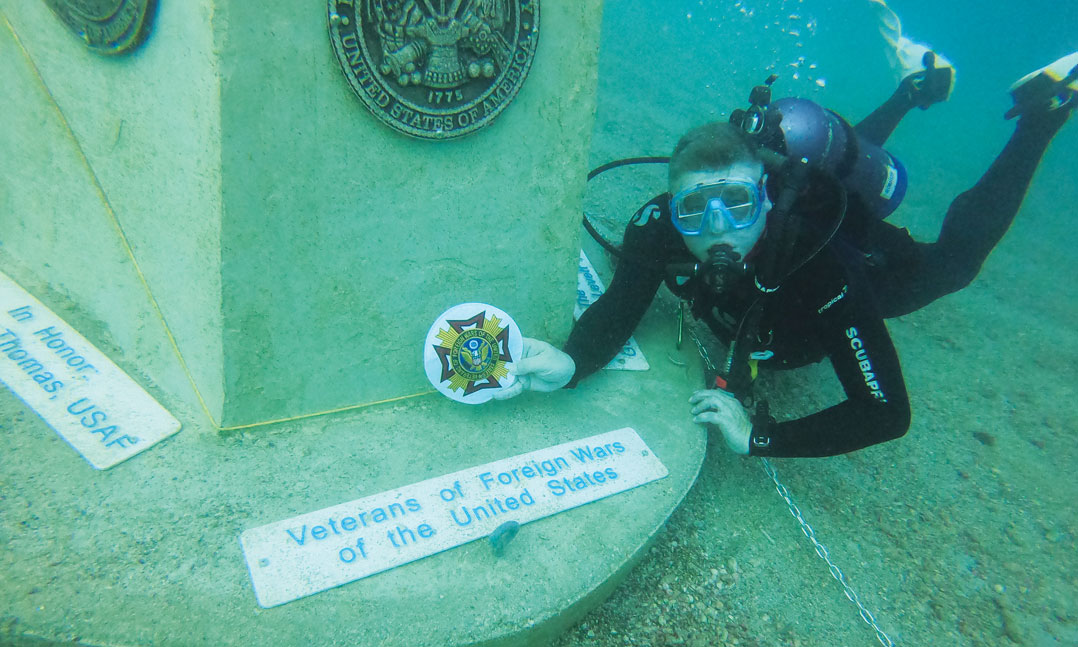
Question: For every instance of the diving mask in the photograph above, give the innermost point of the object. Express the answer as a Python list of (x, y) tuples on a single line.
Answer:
[(702, 208)]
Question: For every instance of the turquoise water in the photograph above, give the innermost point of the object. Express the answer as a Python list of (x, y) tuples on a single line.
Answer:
[(963, 532)]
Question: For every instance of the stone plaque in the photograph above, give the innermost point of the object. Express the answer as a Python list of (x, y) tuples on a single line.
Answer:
[(589, 287), (107, 26), (435, 69), (319, 550), (96, 407)]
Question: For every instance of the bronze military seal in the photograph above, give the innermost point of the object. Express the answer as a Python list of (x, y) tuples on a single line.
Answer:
[(435, 69)]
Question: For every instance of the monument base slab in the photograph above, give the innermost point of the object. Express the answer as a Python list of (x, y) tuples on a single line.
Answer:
[(148, 552)]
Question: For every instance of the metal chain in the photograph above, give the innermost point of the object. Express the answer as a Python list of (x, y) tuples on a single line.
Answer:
[(700, 347), (821, 550)]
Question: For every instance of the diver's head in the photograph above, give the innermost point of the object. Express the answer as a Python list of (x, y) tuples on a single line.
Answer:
[(719, 203)]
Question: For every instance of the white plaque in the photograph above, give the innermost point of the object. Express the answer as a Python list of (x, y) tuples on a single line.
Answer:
[(319, 550), (589, 287), (96, 407)]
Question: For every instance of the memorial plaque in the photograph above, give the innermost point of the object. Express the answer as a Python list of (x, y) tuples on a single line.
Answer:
[(589, 287), (107, 26), (435, 69), (73, 386), (319, 550)]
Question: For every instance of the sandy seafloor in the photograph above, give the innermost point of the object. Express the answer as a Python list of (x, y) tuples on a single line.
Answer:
[(963, 532)]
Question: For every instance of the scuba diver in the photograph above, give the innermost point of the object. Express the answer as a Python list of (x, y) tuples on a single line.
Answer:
[(773, 231)]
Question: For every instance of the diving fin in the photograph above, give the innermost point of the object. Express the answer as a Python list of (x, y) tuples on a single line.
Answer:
[(1045, 89), (927, 76)]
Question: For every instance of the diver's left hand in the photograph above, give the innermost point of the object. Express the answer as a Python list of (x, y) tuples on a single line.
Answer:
[(722, 409), (931, 85), (541, 367)]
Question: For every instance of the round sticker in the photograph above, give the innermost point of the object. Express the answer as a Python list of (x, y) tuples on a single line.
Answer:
[(467, 349)]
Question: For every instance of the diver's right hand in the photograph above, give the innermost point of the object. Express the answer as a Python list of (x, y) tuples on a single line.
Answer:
[(540, 368)]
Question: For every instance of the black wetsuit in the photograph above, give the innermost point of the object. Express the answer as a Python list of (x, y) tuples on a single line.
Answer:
[(833, 306)]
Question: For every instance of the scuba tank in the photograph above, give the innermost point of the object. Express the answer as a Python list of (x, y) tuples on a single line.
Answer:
[(798, 128)]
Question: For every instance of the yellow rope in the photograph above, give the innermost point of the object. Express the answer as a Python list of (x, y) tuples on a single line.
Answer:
[(326, 413), (142, 277)]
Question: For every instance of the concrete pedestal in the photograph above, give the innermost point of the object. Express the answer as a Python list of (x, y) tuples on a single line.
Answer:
[(295, 245)]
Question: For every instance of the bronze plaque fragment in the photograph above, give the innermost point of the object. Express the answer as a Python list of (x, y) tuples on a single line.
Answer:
[(107, 26)]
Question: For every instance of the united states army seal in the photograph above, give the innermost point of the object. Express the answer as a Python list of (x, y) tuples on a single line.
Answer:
[(466, 351), (435, 69), (106, 26)]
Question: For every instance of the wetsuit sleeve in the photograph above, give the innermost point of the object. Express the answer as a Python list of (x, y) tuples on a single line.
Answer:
[(878, 126), (609, 322), (877, 407)]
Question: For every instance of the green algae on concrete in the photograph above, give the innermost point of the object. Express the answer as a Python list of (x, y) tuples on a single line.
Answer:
[(149, 137)]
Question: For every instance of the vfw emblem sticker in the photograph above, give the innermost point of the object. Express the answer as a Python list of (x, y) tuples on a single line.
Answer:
[(467, 349)]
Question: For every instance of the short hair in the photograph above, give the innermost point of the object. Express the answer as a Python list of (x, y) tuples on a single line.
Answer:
[(710, 147)]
